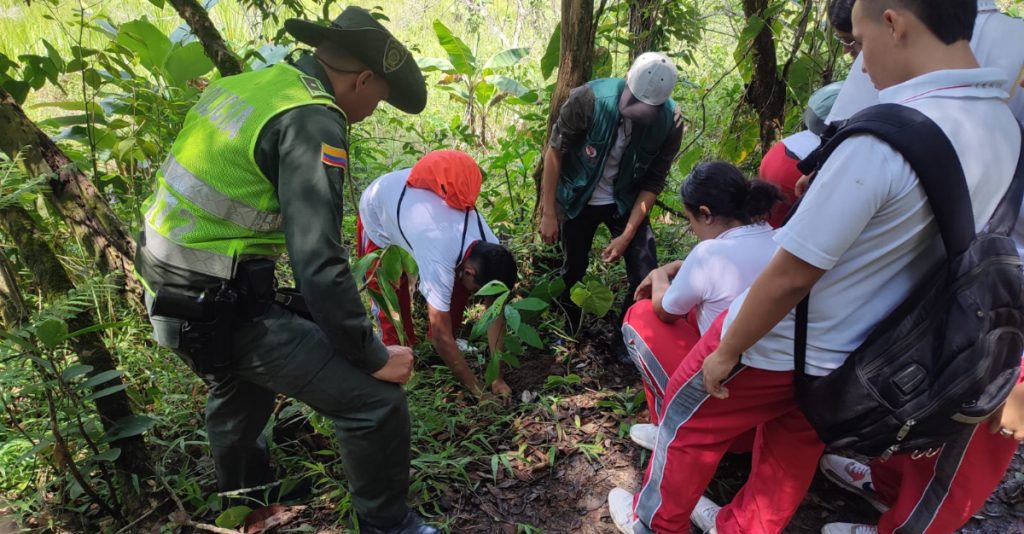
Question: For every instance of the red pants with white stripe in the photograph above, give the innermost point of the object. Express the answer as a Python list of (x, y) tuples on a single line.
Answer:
[(658, 348), (938, 495), (697, 429)]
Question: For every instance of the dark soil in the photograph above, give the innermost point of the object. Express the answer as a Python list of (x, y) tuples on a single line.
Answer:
[(572, 496)]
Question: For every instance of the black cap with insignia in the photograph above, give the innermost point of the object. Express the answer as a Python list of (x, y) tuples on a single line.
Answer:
[(357, 32)]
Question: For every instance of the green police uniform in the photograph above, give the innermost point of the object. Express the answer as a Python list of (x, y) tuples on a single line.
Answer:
[(258, 168)]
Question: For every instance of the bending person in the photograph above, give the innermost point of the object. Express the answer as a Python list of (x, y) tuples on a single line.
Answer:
[(454, 249), (678, 301)]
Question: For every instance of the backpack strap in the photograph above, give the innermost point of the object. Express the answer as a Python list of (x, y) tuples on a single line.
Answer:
[(398, 215), (933, 158), (465, 229)]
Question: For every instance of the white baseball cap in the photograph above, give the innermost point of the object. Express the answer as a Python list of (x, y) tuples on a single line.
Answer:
[(652, 78)]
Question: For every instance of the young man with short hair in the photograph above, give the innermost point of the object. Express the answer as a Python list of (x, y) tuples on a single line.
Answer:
[(455, 251), (863, 237), (607, 160)]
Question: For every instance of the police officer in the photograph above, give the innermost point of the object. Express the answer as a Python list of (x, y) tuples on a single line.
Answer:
[(257, 170)]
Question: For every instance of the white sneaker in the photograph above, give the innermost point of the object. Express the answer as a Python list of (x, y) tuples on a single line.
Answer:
[(848, 528), (620, 506), (644, 435), (853, 476), (704, 514)]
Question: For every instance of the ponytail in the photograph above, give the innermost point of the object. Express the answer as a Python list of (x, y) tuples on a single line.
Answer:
[(726, 192)]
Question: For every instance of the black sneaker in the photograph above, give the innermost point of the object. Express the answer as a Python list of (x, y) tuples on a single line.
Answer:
[(411, 524)]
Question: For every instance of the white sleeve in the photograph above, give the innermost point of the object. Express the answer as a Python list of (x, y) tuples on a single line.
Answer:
[(850, 188), (688, 288)]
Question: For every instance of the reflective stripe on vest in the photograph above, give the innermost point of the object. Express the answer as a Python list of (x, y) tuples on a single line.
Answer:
[(192, 259), (190, 186)]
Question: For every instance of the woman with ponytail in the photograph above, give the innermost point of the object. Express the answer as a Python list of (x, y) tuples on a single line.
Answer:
[(677, 302)]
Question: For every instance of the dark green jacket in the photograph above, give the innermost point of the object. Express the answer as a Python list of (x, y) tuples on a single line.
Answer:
[(583, 165)]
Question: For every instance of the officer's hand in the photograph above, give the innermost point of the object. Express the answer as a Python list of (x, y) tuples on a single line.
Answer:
[(549, 228), (399, 366)]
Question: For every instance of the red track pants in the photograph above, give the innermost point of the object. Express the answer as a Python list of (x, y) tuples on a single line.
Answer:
[(697, 429)]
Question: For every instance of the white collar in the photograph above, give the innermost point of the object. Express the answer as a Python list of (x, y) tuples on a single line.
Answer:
[(987, 5), (955, 83), (745, 230)]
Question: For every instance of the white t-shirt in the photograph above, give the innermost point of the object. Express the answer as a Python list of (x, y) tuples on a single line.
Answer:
[(998, 42), (604, 191), (866, 219), (433, 228), (717, 270)]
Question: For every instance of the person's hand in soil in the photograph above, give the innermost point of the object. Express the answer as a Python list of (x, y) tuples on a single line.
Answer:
[(1010, 417), (500, 388), (616, 248), (716, 369)]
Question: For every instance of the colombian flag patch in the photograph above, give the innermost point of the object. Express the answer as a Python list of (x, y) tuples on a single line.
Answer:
[(335, 157)]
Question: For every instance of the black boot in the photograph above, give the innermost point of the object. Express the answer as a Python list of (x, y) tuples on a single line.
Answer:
[(411, 524)]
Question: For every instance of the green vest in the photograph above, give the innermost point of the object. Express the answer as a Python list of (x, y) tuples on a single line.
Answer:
[(583, 165), (212, 206)]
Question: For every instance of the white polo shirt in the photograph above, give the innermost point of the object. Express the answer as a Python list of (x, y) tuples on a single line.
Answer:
[(998, 42), (433, 228), (867, 220), (717, 270)]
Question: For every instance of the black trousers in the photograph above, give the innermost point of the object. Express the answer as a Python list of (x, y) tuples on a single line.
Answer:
[(577, 240)]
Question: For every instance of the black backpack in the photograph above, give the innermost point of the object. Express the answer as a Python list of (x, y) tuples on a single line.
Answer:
[(947, 357)]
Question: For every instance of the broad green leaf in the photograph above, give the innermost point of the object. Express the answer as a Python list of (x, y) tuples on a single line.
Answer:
[(493, 367), (186, 63), (43, 444), (529, 336), (459, 54), (594, 297), (494, 287), (147, 41), (409, 263), (513, 345), (507, 85), (52, 332), (18, 89), (391, 265), (106, 392), (126, 427), (108, 455), (506, 58), (100, 378), (510, 359), (74, 371), (233, 517), (488, 317), (98, 327), (431, 64), (530, 304), (483, 92), (363, 265), (512, 318), (549, 62), (54, 56), (549, 291)]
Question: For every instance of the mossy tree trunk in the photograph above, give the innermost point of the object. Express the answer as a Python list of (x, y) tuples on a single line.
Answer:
[(213, 43), (52, 281)]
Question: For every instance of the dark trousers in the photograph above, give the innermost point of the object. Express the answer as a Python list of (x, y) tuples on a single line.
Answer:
[(281, 352), (577, 240)]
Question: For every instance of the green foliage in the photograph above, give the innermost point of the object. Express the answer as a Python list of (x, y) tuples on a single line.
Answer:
[(592, 296)]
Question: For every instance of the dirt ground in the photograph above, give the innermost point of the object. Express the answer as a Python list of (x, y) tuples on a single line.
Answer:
[(571, 497)]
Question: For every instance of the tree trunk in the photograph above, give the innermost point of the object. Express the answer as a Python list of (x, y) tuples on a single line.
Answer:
[(216, 49), (643, 15), (12, 307), (766, 94), (53, 281), (73, 194), (575, 63)]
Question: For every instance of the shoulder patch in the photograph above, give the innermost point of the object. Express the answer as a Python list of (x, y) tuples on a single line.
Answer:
[(314, 86), (335, 157)]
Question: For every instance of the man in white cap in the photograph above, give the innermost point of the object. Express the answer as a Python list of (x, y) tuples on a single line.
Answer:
[(607, 160)]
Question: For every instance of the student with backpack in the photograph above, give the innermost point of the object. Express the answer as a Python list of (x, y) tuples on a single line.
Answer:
[(678, 301), (863, 237), (428, 212)]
